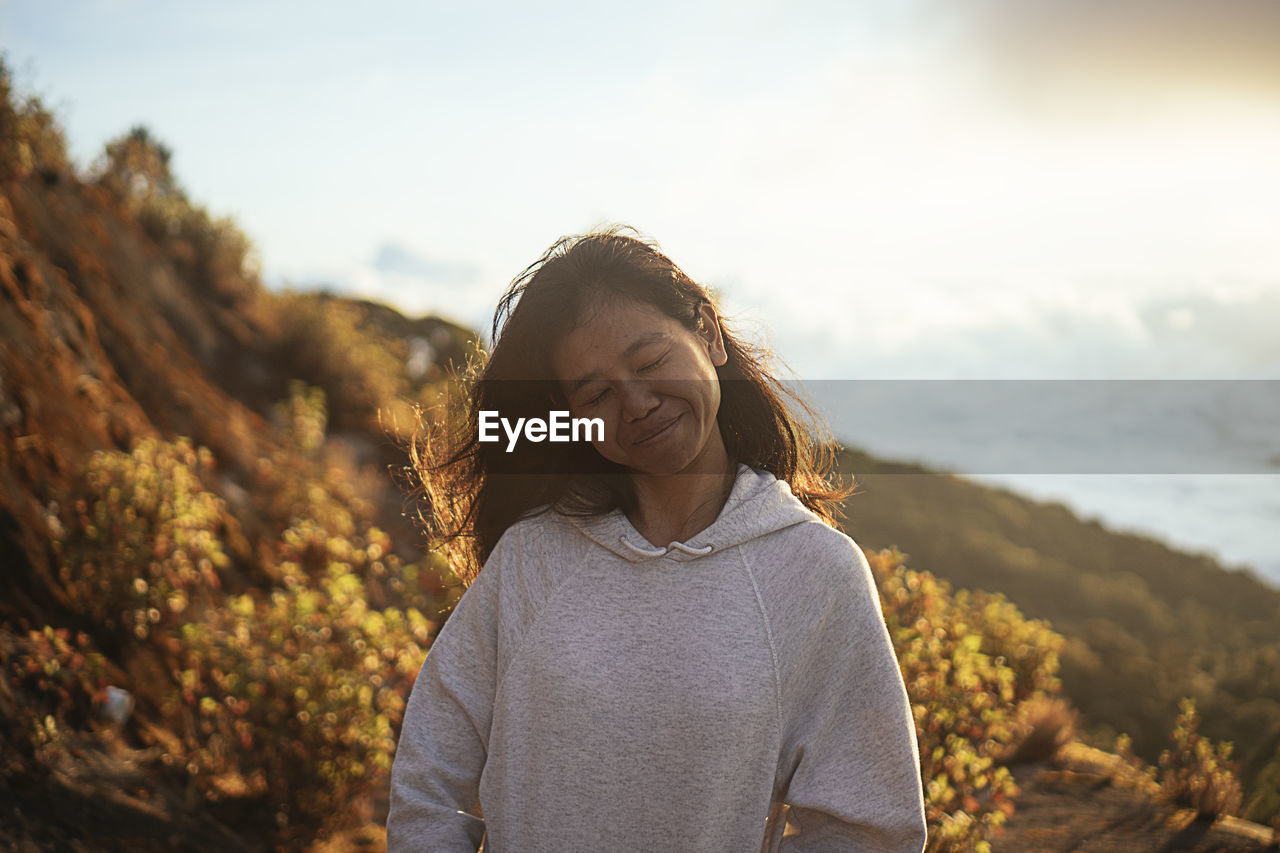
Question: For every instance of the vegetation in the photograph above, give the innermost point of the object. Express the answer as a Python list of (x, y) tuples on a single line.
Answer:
[(971, 664), (359, 369), (291, 690), (57, 677), (1196, 772), (146, 542), (31, 138), (212, 254), (1145, 625)]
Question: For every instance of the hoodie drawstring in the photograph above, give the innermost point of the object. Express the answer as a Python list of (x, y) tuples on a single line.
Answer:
[(658, 552), (646, 552), (697, 552)]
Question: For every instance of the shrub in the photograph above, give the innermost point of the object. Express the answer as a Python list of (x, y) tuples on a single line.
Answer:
[(58, 675), (328, 343), (1196, 773), (300, 691), (968, 660), (308, 482), (212, 254), (1129, 770), (293, 691), (146, 540), (135, 169), (31, 139)]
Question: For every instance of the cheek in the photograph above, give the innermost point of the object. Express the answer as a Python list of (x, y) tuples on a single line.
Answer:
[(610, 432), (609, 450), (716, 397)]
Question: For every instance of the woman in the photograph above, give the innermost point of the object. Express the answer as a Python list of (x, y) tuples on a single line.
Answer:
[(669, 639)]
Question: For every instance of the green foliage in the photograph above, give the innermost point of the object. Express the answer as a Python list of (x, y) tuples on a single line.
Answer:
[(1129, 768), (146, 542), (213, 254), (1197, 773), (61, 676), (292, 691), (31, 139), (310, 495), (329, 343), (307, 482), (301, 690), (969, 660), (303, 416), (51, 682), (135, 168)]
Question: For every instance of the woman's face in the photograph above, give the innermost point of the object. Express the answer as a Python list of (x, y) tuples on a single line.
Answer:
[(652, 381)]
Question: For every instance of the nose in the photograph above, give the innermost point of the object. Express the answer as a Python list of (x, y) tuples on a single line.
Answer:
[(637, 400)]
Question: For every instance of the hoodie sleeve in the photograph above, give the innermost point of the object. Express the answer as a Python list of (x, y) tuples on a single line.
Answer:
[(849, 741), (435, 777)]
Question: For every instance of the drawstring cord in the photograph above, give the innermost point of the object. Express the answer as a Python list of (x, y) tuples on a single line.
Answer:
[(659, 552), (697, 552)]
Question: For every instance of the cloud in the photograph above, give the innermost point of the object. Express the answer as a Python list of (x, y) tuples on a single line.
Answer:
[(1104, 49), (403, 278), (394, 258), (1184, 333)]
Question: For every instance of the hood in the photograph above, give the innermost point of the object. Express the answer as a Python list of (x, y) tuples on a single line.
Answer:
[(759, 503)]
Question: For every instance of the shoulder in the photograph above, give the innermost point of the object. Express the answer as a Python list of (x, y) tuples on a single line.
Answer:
[(533, 556), (819, 553), (537, 526), (542, 533), (817, 582)]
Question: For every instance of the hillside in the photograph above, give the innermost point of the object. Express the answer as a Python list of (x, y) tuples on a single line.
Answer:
[(1145, 624), (175, 439), (200, 506)]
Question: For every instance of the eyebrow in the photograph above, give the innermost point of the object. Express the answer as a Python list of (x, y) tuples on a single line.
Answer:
[(637, 344)]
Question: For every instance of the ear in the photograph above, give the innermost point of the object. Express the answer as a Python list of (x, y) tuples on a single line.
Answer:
[(712, 335)]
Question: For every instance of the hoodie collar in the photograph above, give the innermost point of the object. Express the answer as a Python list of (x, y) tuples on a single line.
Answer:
[(759, 503)]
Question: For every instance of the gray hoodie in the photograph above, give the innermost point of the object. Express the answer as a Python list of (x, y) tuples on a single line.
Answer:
[(594, 692)]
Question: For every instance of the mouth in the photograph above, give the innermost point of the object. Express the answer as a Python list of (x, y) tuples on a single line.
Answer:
[(661, 433)]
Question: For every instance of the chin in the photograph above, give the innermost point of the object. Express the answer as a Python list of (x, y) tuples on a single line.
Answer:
[(660, 465), (656, 470)]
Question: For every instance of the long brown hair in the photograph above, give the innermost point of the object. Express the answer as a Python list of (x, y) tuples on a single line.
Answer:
[(472, 491)]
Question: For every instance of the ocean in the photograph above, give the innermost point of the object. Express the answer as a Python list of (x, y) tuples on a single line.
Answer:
[(1194, 463)]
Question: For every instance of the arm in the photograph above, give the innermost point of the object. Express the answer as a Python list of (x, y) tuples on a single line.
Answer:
[(849, 737), (444, 737)]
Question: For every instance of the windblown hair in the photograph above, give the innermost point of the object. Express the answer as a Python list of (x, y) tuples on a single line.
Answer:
[(472, 491)]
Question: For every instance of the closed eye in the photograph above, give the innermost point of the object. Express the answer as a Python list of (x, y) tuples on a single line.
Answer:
[(598, 397), (652, 366)]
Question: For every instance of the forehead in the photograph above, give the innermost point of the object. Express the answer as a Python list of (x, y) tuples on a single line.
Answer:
[(606, 331)]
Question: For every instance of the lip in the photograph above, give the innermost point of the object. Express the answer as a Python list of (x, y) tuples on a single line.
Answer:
[(663, 431)]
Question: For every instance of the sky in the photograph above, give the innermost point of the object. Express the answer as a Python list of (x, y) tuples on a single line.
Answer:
[(878, 189)]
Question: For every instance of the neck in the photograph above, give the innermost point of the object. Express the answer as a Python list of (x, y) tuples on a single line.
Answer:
[(676, 507)]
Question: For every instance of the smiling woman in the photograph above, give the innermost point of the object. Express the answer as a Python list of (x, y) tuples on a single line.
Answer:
[(596, 688)]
